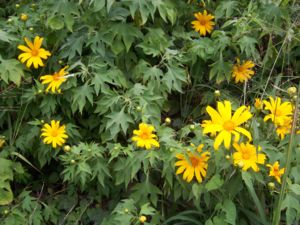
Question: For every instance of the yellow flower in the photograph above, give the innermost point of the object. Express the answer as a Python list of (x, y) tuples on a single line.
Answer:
[(33, 54), (247, 156), (279, 112), (54, 134), (203, 24), (242, 72), (226, 124), (144, 137), (275, 171), (285, 128), (258, 104), (195, 164), (54, 81)]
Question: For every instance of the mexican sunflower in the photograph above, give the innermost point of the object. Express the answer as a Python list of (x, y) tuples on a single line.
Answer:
[(193, 164), (54, 81), (247, 157), (54, 133), (33, 54), (144, 137), (279, 113), (203, 23), (242, 72), (275, 171), (226, 124)]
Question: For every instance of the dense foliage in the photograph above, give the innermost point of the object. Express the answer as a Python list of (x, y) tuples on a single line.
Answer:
[(174, 112)]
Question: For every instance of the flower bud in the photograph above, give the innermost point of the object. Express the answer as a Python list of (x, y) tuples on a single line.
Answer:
[(292, 91), (67, 148), (42, 121), (142, 219), (17, 5), (73, 161), (60, 62), (192, 127), (139, 108), (227, 157), (31, 28), (271, 185), (168, 121), (126, 210), (9, 20), (241, 164), (5, 212), (217, 93), (24, 17)]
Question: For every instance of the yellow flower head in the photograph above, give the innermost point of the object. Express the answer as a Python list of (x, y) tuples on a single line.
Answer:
[(54, 81), (33, 54), (242, 72), (193, 165), (247, 156), (144, 137), (285, 128), (279, 112), (258, 104), (275, 171), (54, 134), (226, 124), (203, 23)]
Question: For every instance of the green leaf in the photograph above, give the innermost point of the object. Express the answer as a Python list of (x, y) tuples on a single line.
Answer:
[(56, 23), (214, 183), (6, 37), (125, 32), (203, 48), (247, 45), (155, 42), (97, 5), (295, 188), (117, 121), (80, 95), (6, 194), (145, 8), (11, 70), (221, 70), (225, 8), (174, 78), (230, 210)]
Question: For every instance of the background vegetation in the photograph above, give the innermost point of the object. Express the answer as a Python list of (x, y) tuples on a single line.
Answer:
[(133, 61)]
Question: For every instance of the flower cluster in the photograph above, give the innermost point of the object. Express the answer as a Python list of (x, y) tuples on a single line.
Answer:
[(34, 55), (203, 24), (225, 127), (280, 114)]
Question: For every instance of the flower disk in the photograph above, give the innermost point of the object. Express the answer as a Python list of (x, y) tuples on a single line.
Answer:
[(194, 165), (247, 156), (225, 124), (280, 113), (54, 81), (275, 171), (144, 137), (203, 24), (33, 54), (242, 72), (54, 134)]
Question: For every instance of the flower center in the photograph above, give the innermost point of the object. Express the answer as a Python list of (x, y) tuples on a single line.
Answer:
[(229, 125), (144, 135), (202, 22), (34, 52), (278, 112), (246, 155), (56, 76), (54, 133), (194, 160)]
